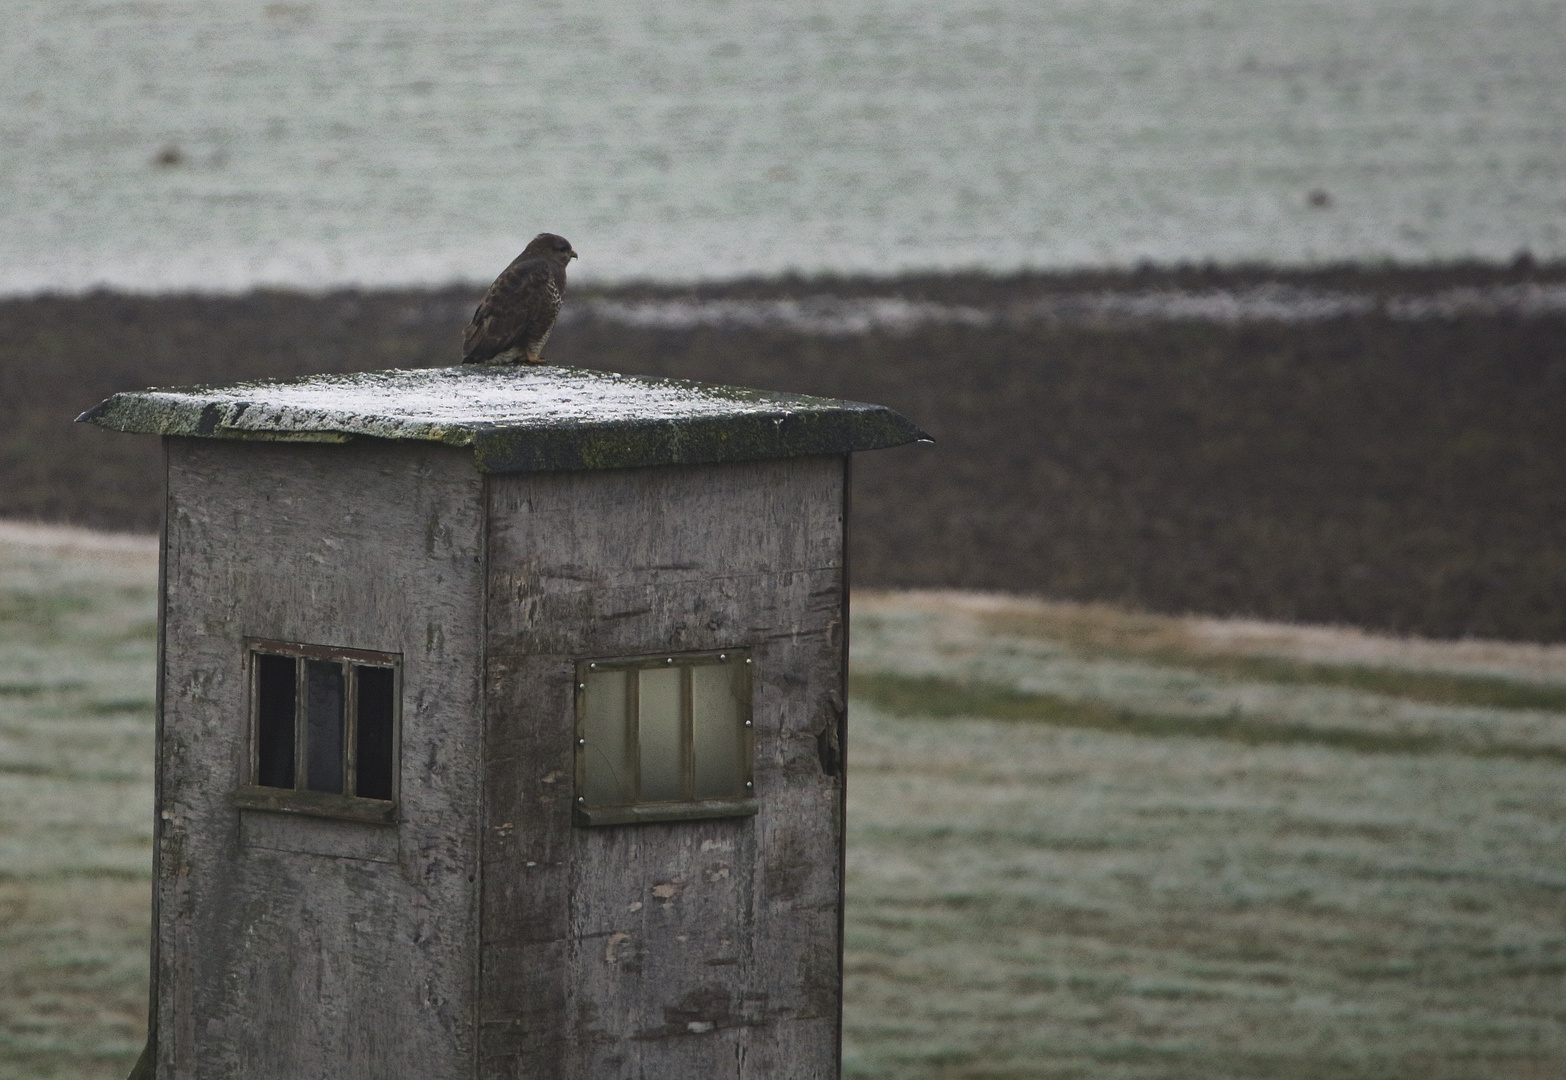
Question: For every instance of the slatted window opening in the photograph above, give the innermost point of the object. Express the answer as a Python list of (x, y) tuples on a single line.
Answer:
[(324, 730), (664, 738)]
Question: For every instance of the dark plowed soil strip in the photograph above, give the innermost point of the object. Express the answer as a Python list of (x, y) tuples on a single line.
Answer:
[(1401, 473)]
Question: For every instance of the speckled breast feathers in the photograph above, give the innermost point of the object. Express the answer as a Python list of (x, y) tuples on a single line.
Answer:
[(514, 319)]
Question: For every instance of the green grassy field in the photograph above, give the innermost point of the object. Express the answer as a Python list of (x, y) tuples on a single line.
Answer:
[(1083, 843)]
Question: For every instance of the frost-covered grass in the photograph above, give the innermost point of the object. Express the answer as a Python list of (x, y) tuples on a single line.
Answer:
[(78, 638), (1082, 843)]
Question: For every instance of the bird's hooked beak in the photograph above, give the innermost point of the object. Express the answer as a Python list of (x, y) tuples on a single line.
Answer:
[(570, 255)]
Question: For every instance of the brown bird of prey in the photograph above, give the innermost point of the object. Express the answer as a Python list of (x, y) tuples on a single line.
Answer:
[(514, 318)]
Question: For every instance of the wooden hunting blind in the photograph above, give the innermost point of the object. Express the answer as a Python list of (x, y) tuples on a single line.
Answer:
[(499, 727)]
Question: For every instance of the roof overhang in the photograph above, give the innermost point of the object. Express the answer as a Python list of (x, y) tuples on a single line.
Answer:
[(520, 419)]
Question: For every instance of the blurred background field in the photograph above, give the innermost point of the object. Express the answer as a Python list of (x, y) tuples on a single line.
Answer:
[(1083, 842), (78, 645), (218, 145), (1379, 446), (1253, 311)]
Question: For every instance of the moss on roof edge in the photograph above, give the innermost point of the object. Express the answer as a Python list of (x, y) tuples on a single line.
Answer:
[(807, 426)]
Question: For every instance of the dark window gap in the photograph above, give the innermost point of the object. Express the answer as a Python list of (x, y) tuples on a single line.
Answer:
[(377, 688), (275, 720), (324, 726)]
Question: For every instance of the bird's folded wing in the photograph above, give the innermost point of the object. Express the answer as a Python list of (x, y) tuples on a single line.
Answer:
[(518, 300)]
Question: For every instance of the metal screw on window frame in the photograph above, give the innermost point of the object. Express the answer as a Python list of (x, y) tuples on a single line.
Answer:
[(747, 723), (581, 798), (592, 667), (581, 742), (670, 660), (749, 784), (581, 686), (723, 656)]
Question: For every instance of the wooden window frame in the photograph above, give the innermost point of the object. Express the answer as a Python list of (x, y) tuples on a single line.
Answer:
[(684, 809), (250, 795)]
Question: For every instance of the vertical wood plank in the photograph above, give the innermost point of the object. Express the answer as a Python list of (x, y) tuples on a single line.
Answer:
[(155, 1051), (673, 950), (296, 963)]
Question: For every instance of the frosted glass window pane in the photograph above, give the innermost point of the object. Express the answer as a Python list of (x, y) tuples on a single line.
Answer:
[(606, 753), (715, 731), (660, 734)]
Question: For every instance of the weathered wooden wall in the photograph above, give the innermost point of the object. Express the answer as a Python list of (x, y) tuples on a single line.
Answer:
[(308, 948), (662, 951)]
